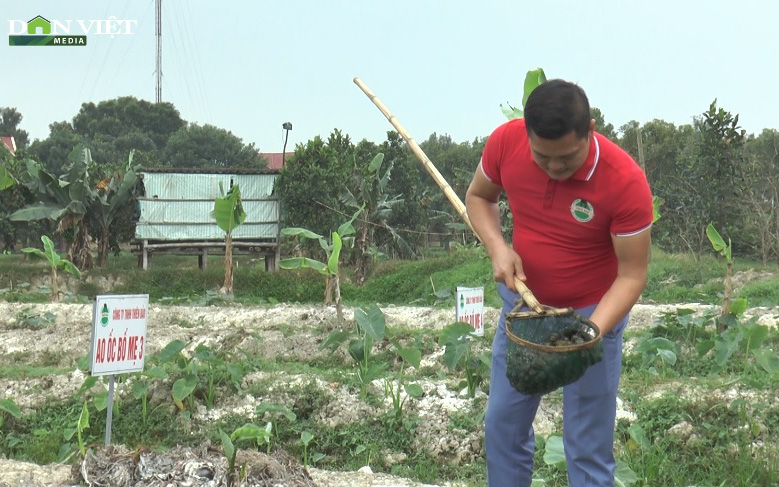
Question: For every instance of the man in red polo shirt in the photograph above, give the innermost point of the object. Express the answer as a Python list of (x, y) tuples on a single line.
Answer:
[(582, 210)]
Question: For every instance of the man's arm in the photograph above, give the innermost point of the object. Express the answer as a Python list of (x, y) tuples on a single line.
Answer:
[(633, 262), (481, 203)]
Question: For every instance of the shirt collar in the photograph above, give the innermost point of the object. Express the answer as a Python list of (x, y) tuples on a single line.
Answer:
[(585, 172)]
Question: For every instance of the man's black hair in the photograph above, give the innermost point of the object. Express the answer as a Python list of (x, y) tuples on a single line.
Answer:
[(555, 108)]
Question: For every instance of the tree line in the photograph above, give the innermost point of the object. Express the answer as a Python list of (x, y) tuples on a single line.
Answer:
[(708, 171)]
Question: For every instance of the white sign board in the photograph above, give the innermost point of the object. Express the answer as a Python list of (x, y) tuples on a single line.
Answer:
[(470, 307), (119, 334)]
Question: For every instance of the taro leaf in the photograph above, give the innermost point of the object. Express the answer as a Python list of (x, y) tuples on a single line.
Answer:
[(754, 336), (533, 79), (411, 355), (371, 321), (156, 373), (414, 390), (140, 388), (250, 432), (767, 359), (334, 340), (316, 457), (668, 356), (454, 353), (11, 408), (724, 347), (83, 419), (171, 350), (703, 347), (453, 332), (335, 255), (88, 383), (302, 263), (275, 408), (183, 387), (554, 452), (68, 433), (306, 437), (101, 400), (624, 475), (228, 447), (236, 374), (357, 348), (300, 232), (637, 434)]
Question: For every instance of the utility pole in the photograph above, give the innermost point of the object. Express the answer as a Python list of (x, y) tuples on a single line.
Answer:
[(158, 15)]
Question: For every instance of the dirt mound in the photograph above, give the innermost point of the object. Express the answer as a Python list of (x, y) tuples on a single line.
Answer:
[(117, 466)]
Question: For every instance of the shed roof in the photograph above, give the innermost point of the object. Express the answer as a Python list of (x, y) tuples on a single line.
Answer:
[(208, 170)]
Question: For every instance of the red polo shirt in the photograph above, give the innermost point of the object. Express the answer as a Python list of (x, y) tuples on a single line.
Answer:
[(563, 229)]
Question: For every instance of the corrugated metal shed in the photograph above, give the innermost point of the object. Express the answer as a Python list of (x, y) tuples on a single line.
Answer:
[(177, 204)]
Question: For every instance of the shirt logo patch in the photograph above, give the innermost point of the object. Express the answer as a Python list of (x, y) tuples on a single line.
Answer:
[(582, 210)]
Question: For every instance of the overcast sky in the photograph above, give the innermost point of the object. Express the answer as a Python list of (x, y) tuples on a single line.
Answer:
[(440, 66)]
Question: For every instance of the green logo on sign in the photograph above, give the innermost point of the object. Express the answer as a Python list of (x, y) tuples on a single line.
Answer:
[(582, 210), (104, 315)]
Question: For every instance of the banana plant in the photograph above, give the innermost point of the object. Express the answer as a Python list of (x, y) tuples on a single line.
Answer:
[(66, 201), (366, 191), (112, 195), (533, 78), (333, 253), (55, 261), (229, 214), (719, 245), (6, 178)]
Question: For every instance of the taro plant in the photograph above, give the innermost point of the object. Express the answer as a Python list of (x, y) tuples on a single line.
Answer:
[(657, 352), (141, 386), (305, 439), (244, 433), (8, 408), (554, 456), (456, 338), (201, 373), (333, 253), (371, 326), (55, 261), (272, 411), (410, 356), (229, 214), (82, 425)]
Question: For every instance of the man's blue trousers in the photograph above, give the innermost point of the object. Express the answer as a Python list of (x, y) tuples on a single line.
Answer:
[(589, 410)]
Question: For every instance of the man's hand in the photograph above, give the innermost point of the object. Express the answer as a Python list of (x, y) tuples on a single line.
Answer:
[(505, 265)]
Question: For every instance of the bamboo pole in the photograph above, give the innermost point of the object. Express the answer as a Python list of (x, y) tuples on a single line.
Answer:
[(522, 289), (428, 165)]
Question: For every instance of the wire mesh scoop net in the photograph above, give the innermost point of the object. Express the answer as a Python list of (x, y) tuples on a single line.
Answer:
[(548, 347)]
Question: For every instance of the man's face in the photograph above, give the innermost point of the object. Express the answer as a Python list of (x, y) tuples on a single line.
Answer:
[(562, 157)]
